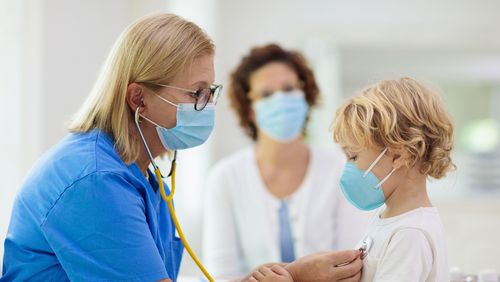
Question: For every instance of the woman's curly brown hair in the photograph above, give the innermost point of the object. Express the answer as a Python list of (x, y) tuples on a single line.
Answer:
[(239, 85)]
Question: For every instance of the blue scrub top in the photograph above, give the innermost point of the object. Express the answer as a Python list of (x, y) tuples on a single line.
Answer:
[(82, 214)]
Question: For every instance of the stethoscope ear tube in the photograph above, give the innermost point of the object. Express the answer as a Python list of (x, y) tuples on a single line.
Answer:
[(136, 120), (169, 198)]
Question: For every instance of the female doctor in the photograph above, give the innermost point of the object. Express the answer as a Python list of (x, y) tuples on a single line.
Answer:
[(90, 209)]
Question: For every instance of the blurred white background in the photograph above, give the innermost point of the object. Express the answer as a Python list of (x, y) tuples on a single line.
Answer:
[(51, 52)]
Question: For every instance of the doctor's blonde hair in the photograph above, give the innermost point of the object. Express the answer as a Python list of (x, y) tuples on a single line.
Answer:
[(398, 114), (153, 49)]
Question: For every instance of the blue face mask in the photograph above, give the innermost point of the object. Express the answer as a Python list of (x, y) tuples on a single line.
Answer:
[(362, 188), (192, 129), (282, 116)]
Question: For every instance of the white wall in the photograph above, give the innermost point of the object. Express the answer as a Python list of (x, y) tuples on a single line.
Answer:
[(20, 83), (77, 37)]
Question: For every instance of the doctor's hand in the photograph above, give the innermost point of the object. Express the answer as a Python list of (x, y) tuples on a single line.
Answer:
[(275, 273), (344, 266)]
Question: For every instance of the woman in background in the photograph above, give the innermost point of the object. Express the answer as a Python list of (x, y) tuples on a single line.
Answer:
[(278, 199)]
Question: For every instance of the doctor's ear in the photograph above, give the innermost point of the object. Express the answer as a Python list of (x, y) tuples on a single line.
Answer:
[(400, 157), (135, 96)]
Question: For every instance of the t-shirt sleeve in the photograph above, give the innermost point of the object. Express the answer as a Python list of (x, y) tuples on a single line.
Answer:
[(98, 231), (408, 257)]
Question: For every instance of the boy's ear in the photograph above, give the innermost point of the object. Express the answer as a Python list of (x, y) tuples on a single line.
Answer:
[(399, 157)]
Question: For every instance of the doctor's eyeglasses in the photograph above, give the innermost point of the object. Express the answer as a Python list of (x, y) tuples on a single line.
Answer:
[(202, 96)]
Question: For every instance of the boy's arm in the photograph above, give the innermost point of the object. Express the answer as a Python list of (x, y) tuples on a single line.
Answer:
[(275, 273), (269, 265)]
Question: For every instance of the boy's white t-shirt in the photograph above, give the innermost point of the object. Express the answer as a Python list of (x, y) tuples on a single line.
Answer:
[(407, 247)]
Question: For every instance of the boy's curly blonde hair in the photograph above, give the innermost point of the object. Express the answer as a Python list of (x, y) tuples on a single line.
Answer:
[(400, 114)]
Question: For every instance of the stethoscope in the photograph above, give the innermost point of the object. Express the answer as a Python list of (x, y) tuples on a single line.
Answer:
[(366, 246), (169, 198)]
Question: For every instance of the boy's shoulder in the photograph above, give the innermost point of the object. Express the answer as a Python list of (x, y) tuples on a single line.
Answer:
[(424, 218), (419, 225)]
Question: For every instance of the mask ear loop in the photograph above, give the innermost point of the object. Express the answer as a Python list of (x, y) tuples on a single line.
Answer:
[(174, 159), (374, 163), (385, 179), (152, 122)]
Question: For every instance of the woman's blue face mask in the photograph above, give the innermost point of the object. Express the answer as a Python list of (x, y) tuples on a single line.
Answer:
[(282, 115), (362, 188)]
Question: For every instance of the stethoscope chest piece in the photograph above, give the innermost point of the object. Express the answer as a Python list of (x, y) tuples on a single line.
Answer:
[(366, 245)]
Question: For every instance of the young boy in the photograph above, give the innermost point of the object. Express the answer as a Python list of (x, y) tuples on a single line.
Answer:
[(395, 134)]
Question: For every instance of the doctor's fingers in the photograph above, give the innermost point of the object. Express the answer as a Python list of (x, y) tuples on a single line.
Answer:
[(343, 257), (265, 270), (355, 278), (279, 270), (348, 270)]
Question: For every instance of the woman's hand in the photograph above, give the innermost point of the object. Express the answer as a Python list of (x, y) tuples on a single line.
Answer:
[(342, 266), (275, 273)]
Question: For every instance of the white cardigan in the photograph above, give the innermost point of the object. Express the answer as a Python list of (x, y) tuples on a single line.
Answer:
[(240, 228)]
